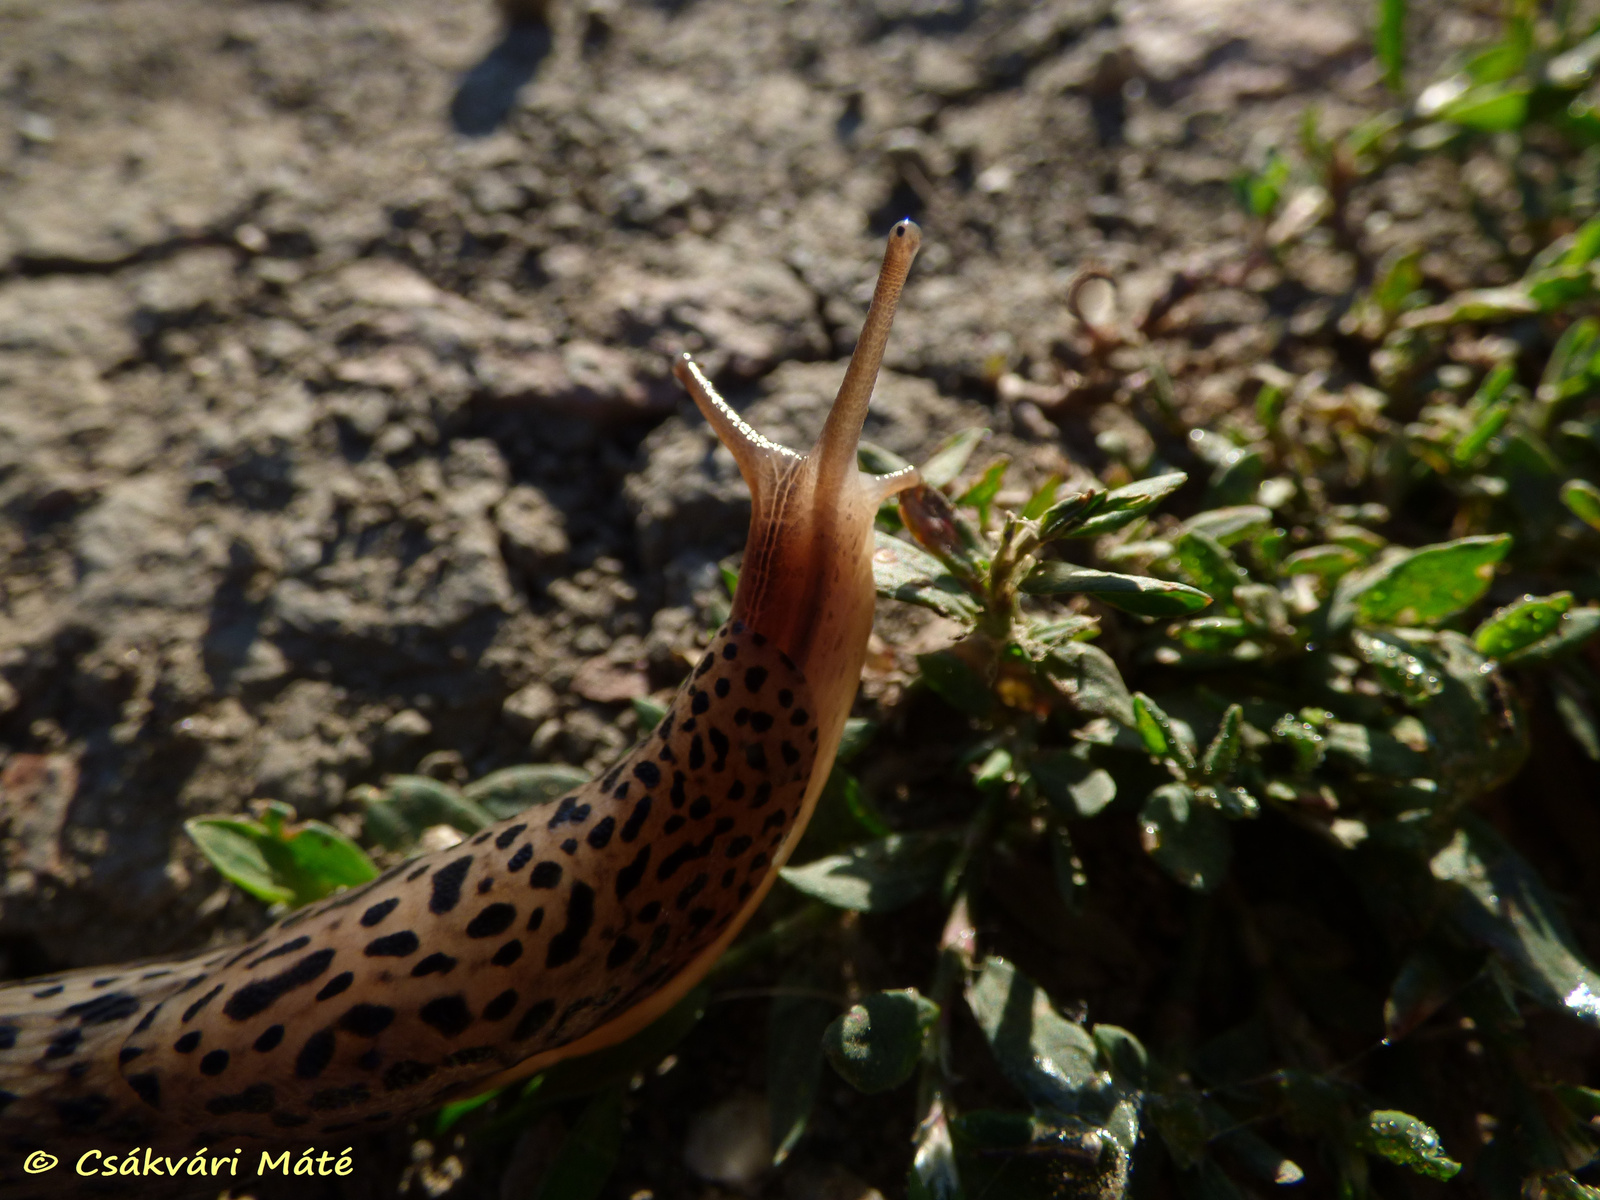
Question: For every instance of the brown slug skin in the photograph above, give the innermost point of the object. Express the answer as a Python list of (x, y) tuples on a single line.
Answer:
[(552, 934)]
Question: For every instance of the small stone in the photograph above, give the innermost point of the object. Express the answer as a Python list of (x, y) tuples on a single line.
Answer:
[(407, 725), (533, 537), (727, 1143), (529, 707)]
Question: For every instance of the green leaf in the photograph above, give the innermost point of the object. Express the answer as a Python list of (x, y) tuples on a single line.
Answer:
[(951, 457), (320, 859), (1074, 787), (233, 847), (1049, 1059), (1475, 440), (1402, 671), (1576, 714), (1428, 980), (1582, 499), (1137, 594), (590, 1153), (1223, 753), (875, 460), (1419, 587), (1125, 504), (648, 713), (1188, 840), (858, 731), (1230, 525), (1401, 1138), (1520, 624), (1204, 562), (905, 572), (507, 792), (411, 803), (877, 1044), (293, 865), (981, 494), (878, 876), (1572, 631), (1089, 678), (1389, 42), (1043, 497), (1498, 900), (1489, 107), (953, 680), (795, 1029), (1155, 730), (1069, 515)]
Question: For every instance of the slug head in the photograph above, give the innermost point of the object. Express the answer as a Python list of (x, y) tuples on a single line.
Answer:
[(806, 582)]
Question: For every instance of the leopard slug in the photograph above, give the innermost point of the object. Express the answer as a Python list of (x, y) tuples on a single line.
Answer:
[(552, 934)]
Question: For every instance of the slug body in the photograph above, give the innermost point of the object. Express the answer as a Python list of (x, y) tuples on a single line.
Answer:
[(557, 932)]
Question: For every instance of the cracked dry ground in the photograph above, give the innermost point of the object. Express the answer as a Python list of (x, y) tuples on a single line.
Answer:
[(333, 442)]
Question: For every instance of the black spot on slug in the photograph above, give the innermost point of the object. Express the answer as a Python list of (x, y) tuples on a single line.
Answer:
[(104, 1009), (535, 919), (194, 1008), (546, 875), (406, 1073), (722, 687), (700, 808), (289, 947), (315, 1055), (379, 911), (434, 964), (647, 773), (336, 985), (510, 835), (570, 812), (500, 1007), (448, 1014), (269, 1039), (756, 755), (447, 881), (622, 950), (214, 1063), (393, 945), (367, 1020), (650, 911), (187, 1042), (565, 945), (495, 919), (628, 878), (145, 1085), (754, 678), (507, 954), (692, 889), (636, 819), (535, 1019), (259, 995), (520, 859)]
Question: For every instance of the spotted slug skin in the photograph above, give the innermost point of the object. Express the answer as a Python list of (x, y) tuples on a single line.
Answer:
[(560, 931)]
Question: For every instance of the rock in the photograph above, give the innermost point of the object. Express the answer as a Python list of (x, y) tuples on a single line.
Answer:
[(533, 536), (529, 707), (728, 1142), (36, 791)]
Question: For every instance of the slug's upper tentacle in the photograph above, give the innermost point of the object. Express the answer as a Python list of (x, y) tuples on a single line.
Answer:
[(835, 451)]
